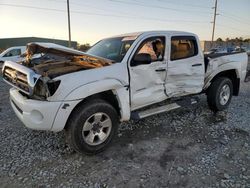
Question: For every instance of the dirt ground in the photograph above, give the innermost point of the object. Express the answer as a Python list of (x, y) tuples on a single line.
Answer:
[(189, 147)]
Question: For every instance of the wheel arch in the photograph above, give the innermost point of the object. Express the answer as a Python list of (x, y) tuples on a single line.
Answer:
[(233, 75), (112, 91)]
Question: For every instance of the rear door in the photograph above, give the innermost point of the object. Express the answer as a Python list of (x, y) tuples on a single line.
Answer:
[(185, 72)]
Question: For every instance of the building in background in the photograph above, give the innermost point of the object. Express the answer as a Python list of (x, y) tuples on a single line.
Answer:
[(208, 45), (22, 41)]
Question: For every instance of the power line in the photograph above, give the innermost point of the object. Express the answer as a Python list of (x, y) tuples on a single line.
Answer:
[(32, 7), (163, 1), (236, 17), (159, 7), (101, 14), (185, 4), (89, 6), (232, 28), (111, 15), (220, 25), (94, 7)]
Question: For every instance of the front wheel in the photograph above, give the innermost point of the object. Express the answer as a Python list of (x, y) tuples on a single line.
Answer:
[(92, 126), (220, 94)]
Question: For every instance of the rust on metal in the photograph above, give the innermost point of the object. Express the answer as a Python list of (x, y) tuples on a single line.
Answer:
[(60, 60)]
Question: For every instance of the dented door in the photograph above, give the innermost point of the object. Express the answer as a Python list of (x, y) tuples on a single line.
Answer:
[(147, 80), (185, 72)]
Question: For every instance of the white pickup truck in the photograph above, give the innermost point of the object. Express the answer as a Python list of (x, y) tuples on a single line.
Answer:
[(131, 76)]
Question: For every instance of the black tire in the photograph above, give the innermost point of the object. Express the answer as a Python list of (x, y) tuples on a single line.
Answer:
[(214, 91), (75, 124)]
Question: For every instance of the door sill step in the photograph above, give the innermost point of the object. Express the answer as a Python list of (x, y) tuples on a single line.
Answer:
[(174, 104), (153, 111)]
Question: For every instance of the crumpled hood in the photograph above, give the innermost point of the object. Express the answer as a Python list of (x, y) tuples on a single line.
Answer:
[(41, 47), (52, 60), (43, 63)]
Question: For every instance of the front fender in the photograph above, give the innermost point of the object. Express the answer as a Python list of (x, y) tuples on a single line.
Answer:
[(92, 88), (118, 88), (86, 90)]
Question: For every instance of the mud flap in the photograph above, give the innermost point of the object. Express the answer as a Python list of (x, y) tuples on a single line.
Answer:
[(247, 79)]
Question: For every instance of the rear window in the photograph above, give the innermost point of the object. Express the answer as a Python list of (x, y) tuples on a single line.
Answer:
[(183, 47)]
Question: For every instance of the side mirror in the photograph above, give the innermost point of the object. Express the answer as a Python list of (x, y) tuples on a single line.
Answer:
[(141, 59)]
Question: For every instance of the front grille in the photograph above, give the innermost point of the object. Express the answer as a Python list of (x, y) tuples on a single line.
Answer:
[(16, 78)]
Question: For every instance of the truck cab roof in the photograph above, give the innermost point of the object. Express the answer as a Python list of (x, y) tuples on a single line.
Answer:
[(145, 33)]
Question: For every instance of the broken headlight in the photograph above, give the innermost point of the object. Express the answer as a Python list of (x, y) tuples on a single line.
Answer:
[(45, 88), (53, 86)]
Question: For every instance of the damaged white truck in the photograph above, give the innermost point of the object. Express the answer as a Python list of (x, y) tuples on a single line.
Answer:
[(125, 77)]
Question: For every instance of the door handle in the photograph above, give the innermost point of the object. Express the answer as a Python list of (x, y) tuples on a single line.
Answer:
[(160, 70), (196, 65)]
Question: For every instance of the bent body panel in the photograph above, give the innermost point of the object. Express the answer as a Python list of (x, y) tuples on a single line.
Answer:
[(236, 62)]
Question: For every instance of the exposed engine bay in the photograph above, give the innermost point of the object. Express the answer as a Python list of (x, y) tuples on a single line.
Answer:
[(51, 61), (47, 61)]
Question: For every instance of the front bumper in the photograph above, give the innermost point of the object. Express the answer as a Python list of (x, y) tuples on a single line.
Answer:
[(34, 114), (41, 115)]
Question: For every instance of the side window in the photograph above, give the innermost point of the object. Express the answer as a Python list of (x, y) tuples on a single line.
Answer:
[(183, 47), (14, 52), (152, 49)]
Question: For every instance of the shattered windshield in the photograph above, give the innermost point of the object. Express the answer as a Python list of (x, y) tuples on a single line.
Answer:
[(113, 48)]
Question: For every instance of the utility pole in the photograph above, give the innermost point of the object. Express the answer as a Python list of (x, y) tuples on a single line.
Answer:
[(69, 24), (215, 14)]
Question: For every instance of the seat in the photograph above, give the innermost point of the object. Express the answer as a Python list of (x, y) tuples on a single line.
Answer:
[(182, 50)]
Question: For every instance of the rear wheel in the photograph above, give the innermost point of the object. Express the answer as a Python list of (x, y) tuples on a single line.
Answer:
[(92, 126), (219, 94)]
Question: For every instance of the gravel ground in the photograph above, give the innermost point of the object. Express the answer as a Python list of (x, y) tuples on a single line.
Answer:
[(190, 147)]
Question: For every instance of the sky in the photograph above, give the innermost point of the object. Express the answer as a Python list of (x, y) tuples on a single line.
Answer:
[(92, 20)]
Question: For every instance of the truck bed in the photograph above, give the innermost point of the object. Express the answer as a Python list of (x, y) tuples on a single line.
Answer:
[(208, 57)]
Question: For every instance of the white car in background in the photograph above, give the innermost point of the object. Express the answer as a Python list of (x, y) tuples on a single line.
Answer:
[(12, 54)]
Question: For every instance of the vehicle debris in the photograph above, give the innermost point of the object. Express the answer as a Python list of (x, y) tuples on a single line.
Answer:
[(56, 60)]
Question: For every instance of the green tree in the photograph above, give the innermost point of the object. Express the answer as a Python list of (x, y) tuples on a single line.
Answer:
[(219, 40), (247, 40), (241, 39), (83, 47)]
